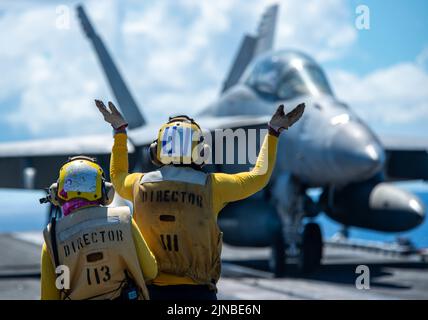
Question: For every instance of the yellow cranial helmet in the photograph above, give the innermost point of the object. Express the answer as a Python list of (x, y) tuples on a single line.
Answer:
[(179, 141), (82, 178)]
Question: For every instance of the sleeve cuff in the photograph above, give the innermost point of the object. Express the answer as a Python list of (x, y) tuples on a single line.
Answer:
[(273, 137), (120, 138)]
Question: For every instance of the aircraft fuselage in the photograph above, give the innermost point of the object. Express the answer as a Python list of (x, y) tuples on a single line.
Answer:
[(329, 145)]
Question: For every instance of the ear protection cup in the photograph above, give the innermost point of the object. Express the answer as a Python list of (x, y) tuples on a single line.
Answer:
[(205, 153), (153, 150), (53, 194), (108, 194)]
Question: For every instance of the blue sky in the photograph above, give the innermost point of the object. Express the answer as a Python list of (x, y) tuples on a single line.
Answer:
[(398, 32), (174, 55)]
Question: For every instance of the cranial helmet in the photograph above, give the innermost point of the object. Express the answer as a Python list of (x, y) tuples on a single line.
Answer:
[(180, 141), (81, 177)]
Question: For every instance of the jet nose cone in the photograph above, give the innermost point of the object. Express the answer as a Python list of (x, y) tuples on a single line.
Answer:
[(356, 153), (417, 209)]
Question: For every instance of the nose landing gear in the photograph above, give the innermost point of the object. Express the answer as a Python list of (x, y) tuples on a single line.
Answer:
[(297, 242), (307, 252), (277, 257), (311, 248)]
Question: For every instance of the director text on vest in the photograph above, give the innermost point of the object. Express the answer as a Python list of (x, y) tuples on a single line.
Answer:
[(93, 237), (172, 196)]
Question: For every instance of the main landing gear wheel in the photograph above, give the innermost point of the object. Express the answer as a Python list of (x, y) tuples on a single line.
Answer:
[(277, 256), (311, 248)]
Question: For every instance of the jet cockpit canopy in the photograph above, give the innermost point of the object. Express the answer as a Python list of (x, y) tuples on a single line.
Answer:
[(284, 75)]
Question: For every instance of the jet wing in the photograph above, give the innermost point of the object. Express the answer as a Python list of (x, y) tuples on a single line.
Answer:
[(406, 157), (35, 163)]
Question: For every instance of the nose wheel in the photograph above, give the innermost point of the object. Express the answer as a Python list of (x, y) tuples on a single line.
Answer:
[(277, 256), (310, 255), (297, 240)]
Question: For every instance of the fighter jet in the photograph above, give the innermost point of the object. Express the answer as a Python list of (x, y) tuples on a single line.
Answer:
[(330, 148)]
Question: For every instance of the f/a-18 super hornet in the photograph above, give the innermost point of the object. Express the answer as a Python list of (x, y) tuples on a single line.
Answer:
[(330, 148)]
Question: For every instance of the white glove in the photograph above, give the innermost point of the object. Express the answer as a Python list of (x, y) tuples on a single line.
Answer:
[(281, 121), (111, 116)]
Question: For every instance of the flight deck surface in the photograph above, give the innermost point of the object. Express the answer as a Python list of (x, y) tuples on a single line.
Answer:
[(245, 274)]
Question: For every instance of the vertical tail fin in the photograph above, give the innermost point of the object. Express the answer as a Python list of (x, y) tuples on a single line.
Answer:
[(253, 46), (124, 98), (266, 30), (242, 59)]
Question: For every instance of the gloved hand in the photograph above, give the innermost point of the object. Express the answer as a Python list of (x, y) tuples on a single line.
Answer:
[(111, 116), (281, 121)]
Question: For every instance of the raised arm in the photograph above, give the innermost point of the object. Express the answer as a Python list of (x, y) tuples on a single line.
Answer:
[(121, 179), (234, 187)]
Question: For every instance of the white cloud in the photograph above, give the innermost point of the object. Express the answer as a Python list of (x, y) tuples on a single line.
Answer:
[(322, 28), (422, 59), (392, 96), (173, 54), (52, 73)]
